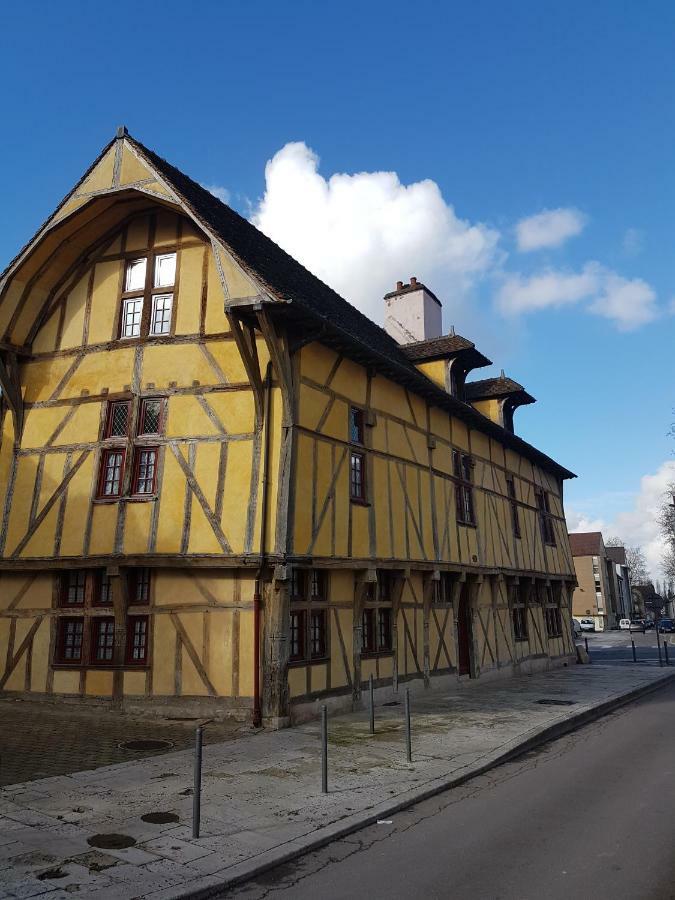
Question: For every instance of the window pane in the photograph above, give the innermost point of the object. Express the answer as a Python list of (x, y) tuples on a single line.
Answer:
[(105, 595), (297, 642), (138, 639), (145, 472), (165, 270), (356, 425), (317, 634), (71, 639), (75, 587), (384, 629), (141, 592), (150, 414), (118, 419), (161, 314), (112, 473), (357, 482), (135, 280), (104, 639), (132, 311)]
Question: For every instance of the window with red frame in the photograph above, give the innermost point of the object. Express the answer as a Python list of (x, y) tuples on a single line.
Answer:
[(357, 476), (70, 634), (308, 621), (73, 588), (376, 623), (139, 586), (463, 472), (102, 640), (150, 419), (145, 471), (356, 425), (117, 422), (137, 640), (112, 473)]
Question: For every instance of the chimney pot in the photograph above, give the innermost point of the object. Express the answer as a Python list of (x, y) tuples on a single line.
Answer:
[(413, 281), (399, 285)]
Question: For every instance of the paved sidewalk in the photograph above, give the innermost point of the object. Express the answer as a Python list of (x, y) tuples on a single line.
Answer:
[(262, 800)]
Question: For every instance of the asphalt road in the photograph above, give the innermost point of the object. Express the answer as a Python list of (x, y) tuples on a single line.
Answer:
[(614, 647), (588, 816)]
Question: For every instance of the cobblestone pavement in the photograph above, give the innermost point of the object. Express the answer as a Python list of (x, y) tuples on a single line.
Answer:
[(38, 740)]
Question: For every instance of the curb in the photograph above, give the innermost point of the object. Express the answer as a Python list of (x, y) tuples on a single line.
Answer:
[(214, 885)]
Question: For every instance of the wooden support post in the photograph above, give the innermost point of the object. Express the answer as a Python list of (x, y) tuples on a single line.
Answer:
[(276, 698)]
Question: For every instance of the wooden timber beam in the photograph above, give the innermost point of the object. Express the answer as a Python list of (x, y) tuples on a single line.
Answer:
[(245, 341), (277, 346), (11, 390)]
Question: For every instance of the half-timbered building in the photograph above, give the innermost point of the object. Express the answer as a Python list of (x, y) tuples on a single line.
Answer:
[(222, 487)]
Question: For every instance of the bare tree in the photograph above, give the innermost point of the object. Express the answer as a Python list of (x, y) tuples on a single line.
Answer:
[(637, 565), (666, 523), (614, 541)]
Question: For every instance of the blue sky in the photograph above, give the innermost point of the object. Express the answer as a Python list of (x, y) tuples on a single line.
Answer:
[(510, 109)]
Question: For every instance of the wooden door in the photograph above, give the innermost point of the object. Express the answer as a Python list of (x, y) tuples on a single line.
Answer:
[(464, 631)]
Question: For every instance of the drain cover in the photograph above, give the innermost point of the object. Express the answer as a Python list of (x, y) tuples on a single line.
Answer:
[(160, 818), (111, 841), (144, 746), (548, 702)]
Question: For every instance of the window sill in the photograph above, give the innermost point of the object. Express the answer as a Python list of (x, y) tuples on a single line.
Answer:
[(300, 663), (522, 640), (100, 667), (134, 498), (376, 654), (357, 502), (467, 524)]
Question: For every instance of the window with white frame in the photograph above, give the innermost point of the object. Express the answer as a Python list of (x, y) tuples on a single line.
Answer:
[(148, 296)]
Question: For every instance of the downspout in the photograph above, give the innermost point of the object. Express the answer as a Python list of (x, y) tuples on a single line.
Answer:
[(257, 593)]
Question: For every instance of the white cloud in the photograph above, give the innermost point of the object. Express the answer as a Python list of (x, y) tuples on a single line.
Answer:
[(549, 228), (362, 232), (628, 303), (219, 191), (637, 525)]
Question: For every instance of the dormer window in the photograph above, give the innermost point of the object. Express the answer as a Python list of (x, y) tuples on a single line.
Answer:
[(147, 301)]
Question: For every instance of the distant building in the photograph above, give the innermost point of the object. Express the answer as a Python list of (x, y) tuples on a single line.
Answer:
[(603, 590)]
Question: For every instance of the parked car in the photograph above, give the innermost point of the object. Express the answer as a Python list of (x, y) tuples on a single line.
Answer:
[(625, 624), (666, 626), (649, 623), (637, 625), (576, 629), (587, 624)]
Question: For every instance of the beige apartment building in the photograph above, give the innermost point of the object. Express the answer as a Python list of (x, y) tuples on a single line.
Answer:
[(603, 590)]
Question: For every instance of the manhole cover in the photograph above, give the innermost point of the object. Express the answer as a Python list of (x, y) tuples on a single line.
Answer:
[(392, 703), (552, 702), (160, 818), (111, 841), (144, 746)]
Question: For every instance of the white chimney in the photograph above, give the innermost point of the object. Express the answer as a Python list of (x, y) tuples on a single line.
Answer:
[(412, 313)]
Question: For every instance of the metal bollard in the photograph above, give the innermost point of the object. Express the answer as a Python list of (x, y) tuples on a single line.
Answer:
[(658, 644), (324, 749), (586, 642), (634, 654), (665, 650), (197, 793), (372, 705), (408, 737)]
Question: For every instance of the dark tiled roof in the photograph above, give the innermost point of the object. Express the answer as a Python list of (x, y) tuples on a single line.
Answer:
[(617, 554), (446, 345), (289, 280), (491, 387), (586, 543)]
